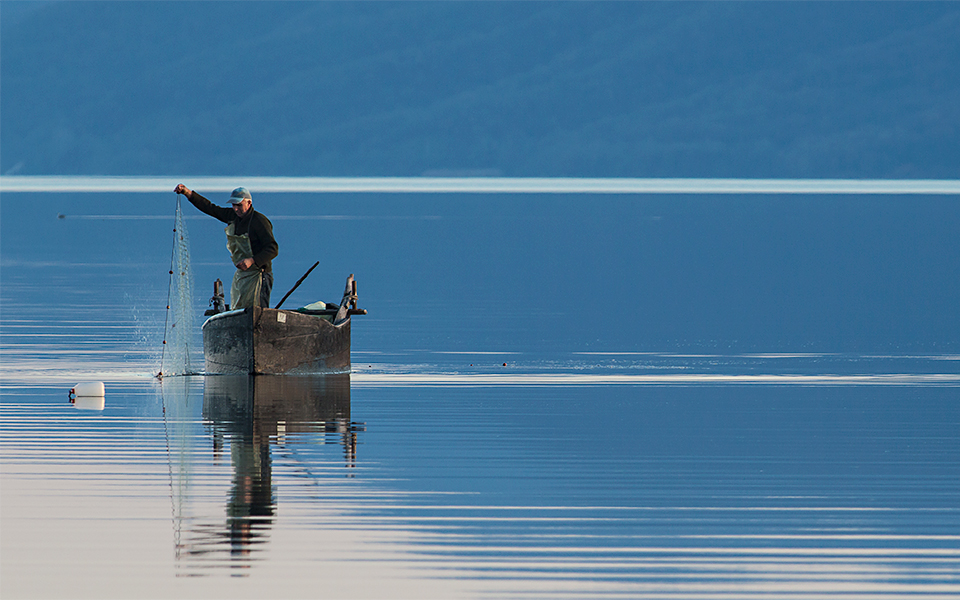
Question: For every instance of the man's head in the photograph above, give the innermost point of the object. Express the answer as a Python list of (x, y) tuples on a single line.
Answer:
[(241, 201)]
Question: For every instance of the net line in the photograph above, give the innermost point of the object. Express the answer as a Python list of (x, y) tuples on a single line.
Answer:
[(178, 329)]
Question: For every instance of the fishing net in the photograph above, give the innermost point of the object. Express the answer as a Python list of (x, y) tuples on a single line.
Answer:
[(179, 331)]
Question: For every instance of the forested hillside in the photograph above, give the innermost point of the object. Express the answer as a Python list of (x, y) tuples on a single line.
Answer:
[(639, 89)]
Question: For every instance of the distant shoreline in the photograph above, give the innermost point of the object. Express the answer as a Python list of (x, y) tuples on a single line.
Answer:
[(479, 185)]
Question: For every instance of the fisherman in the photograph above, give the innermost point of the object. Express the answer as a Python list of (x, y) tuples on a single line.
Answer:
[(250, 242)]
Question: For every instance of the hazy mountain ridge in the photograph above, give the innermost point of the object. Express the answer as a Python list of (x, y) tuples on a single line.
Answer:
[(519, 89)]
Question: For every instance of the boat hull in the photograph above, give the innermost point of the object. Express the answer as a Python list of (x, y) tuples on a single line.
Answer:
[(268, 341)]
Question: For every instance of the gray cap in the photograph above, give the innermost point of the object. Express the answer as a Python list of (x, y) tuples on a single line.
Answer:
[(239, 195)]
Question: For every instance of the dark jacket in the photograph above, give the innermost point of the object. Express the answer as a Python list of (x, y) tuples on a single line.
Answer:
[(257, 226)]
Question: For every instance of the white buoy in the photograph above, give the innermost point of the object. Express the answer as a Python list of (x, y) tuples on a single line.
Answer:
[(89, 388), (89, 402)]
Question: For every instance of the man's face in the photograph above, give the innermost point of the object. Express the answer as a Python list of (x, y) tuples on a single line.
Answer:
[(242, 208)]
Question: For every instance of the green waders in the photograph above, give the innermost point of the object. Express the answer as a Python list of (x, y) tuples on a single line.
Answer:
[(245, 291)]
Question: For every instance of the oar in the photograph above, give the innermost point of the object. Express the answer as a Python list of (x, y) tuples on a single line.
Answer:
[(297, 284)]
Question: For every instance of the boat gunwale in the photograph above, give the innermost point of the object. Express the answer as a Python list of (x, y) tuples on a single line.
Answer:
[(242, 311)]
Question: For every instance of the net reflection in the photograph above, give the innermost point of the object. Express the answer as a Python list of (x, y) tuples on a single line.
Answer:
[(247, 419)]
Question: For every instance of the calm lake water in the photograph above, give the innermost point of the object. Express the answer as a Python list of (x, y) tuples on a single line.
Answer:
[(552, 396)]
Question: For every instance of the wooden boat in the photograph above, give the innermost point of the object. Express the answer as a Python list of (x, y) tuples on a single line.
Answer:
[(262, 341)]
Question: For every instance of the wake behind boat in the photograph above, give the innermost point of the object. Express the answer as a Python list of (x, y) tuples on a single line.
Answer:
[(261, 341)]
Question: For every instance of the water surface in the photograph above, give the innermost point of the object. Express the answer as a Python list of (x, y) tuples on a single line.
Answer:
[(591, 411)]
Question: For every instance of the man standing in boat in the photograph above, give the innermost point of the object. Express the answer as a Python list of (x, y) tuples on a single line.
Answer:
[(250, 242)]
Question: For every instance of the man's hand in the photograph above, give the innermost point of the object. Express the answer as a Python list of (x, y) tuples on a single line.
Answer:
[(182, 189), (246, 264)]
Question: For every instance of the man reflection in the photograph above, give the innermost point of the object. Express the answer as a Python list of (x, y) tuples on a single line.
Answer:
[(252, 495)]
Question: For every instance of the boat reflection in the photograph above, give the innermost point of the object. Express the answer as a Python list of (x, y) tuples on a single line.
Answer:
[(249, 418)]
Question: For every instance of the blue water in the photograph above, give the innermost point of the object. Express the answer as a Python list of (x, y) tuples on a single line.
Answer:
[(552, 396)]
